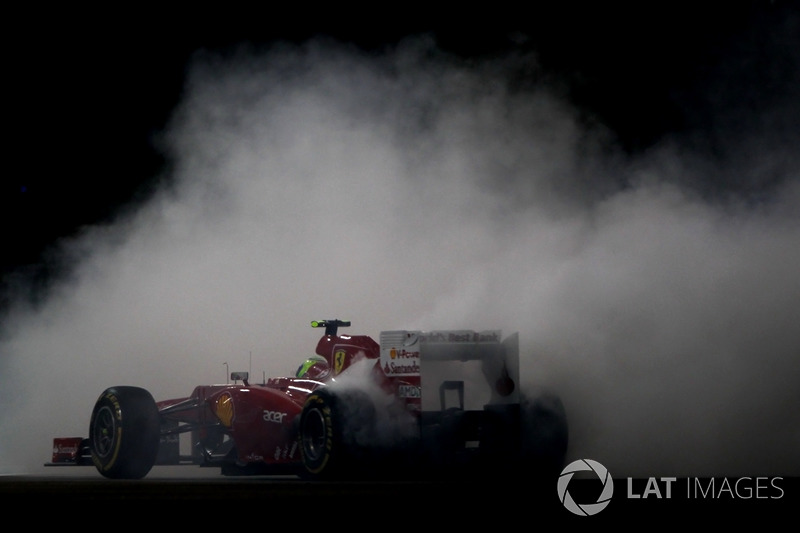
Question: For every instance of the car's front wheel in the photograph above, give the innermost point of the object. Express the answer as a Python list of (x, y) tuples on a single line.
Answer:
[(124, 433)]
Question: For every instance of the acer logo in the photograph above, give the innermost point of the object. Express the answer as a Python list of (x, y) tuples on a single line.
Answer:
[(274, 416)]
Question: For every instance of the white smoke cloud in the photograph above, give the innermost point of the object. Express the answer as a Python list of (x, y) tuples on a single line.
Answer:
[(409, 190)]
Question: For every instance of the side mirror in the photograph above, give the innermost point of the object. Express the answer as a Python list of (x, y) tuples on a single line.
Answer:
[(243, 376)]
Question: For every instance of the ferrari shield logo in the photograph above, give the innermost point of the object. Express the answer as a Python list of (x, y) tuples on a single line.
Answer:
[(338, 361)]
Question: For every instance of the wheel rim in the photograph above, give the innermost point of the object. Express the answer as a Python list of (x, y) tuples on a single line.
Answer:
[(104, 431), (314, 434)]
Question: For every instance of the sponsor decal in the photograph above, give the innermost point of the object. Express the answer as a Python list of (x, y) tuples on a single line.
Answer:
[(65, 449), (411, 339), (408, 391), (403, 354), (461, 336), (274, 416), (394, 369)]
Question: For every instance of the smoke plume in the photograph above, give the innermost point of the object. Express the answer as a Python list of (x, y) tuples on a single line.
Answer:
[(411, 190)]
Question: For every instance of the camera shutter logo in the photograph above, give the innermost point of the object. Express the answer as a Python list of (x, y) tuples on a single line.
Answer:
[(587, 509)]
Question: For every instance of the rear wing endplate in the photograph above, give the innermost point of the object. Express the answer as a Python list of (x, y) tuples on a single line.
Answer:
[(405, 353)]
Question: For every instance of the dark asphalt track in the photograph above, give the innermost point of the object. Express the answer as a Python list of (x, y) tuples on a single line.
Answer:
[(464, 502)]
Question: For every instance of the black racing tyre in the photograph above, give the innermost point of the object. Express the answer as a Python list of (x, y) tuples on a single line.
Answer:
[(544, 436), (500, 438), (335, 430), (124, 433)]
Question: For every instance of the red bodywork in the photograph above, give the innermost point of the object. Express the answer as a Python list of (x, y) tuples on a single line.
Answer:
[(247, 428), (67, 449), (261, 419)]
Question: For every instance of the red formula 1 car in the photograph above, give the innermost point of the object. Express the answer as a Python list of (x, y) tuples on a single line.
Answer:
[(425, 402)]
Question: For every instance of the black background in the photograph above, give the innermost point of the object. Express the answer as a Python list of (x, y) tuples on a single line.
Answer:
[(88, 90), (464, 504)]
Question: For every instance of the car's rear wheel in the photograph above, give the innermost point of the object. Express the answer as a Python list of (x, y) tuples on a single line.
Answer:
[(334, 432), (124, 433), (545, 436)]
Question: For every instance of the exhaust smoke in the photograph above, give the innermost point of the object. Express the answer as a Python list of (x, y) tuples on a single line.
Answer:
[(411, 190)]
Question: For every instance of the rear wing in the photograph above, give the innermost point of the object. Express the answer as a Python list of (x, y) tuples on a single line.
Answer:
[(481, 366)]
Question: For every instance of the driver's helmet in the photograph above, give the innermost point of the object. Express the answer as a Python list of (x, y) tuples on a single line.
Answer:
[(315, 367)]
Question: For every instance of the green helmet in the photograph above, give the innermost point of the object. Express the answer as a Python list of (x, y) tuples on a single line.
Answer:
[(315, 361)]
